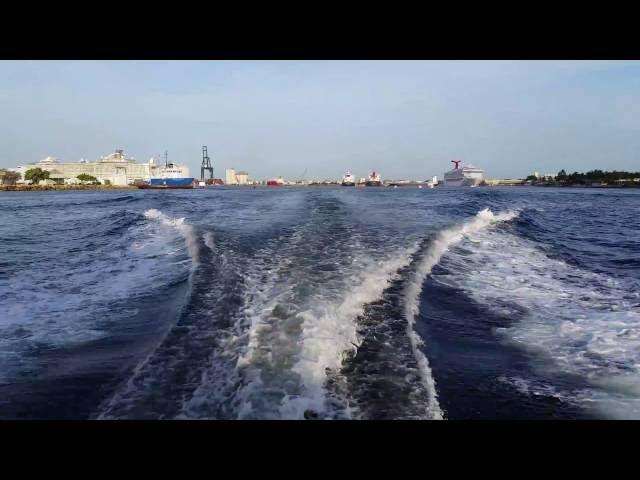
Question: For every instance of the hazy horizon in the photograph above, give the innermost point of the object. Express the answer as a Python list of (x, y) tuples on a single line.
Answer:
[(405, 119)]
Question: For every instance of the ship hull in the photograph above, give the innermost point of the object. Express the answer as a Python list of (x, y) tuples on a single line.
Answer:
[(348, 184), (462, 182), (373, 183), (163, 187), (463, 177), (170, 183)]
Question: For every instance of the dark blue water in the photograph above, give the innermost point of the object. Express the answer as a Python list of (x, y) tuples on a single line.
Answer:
[(374, 303)]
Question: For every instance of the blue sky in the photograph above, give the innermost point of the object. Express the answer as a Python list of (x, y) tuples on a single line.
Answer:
[(406, 119)]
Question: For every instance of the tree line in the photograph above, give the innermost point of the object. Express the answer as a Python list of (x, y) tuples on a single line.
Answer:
[(596, 176), (36, 175)]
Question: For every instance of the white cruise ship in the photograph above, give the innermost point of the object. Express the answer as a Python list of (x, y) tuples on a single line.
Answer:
[(466, 176)]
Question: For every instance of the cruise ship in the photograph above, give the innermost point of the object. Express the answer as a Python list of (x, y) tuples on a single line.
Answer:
[(466, 176), (348, 180), (373, 180)]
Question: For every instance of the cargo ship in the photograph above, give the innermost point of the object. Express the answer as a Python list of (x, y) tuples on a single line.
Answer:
[(278, 182), (466, 176), (172, 175), (373, 180), (348, 180)]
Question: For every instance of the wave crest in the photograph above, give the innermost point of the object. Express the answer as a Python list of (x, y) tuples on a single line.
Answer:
[(438, 247), (187, 231)]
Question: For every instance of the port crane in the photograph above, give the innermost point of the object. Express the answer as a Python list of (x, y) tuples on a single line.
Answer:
[(206, 164)]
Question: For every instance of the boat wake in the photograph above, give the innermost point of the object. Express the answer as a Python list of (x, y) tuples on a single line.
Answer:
[(580, 328), (311, 325), (331, 303), (183, 228), (390, 375)]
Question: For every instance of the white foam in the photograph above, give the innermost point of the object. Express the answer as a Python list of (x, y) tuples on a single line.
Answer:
[(183, 228), (75, 299), (439, 246), (321, 331), (534, 388), (301, 326), (208, 240), (583, 323), (329, 329)]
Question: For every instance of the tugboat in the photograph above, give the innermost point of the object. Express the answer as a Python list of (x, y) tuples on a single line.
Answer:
[(348, 180), (373, 180), (278, 182)]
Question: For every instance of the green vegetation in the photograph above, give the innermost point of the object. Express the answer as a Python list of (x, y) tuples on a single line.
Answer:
[(9, 178), (84, 177), (598, 176), (36, 174), (590, 178)]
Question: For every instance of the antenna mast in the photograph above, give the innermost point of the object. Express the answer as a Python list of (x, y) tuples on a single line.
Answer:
[(166, 163)]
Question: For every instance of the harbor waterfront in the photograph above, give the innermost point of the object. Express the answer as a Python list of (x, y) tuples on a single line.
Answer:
[(120, 171), (329, 303), (403, 185)]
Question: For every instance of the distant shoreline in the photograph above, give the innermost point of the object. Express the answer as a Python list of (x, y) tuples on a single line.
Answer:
[(45, 188), (583, 186)]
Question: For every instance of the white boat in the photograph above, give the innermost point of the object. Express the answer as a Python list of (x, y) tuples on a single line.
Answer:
[(463, 177), (431, 183), (373, 180), (348, 180)]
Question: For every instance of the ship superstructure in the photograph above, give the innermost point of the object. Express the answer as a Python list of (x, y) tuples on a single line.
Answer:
[(172, 175), (373, 180), (466, 176), (348, 180)]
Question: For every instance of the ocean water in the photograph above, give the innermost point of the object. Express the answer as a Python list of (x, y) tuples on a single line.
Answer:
[(327, 303)]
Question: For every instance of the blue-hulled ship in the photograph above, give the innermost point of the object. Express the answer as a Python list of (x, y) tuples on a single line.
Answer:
[(172, 175)]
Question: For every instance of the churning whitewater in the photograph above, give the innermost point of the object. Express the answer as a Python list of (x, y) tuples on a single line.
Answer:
[(319, 304)]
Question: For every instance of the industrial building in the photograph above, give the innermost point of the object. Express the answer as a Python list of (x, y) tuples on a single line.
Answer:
[(231, 177)]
